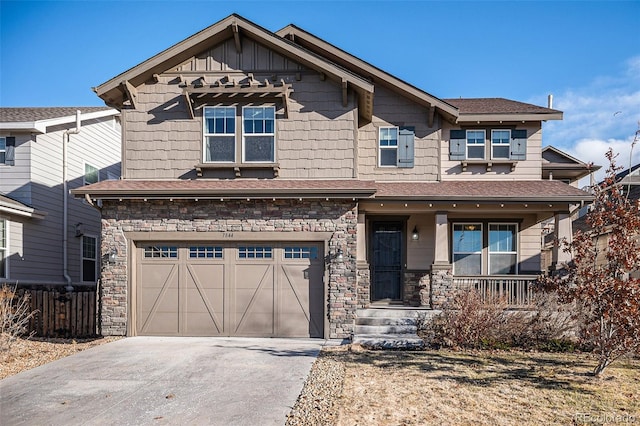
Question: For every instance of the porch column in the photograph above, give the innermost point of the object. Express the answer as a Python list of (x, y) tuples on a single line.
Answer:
[(563, 232), (361, 240), (441, 256)]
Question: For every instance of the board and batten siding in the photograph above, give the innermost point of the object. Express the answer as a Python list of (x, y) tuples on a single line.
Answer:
[(391, 109), (529, 169)]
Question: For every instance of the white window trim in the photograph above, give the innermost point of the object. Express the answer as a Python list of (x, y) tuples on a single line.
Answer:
[(517, 252), (4, 150), (380, 147), (205, 134), (6, 248), (84, 172), (82, 258), (453, 253), (484, 144), (508, 144), (275, 151)]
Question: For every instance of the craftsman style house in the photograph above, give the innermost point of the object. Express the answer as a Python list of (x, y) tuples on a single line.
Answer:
[(273, 185), (47, 237)]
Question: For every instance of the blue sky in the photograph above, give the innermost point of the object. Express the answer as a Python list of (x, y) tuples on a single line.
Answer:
[(586, 53)]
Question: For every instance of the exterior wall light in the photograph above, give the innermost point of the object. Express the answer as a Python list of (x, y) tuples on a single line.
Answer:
[(340, 255), (112, 257), (415, 236)]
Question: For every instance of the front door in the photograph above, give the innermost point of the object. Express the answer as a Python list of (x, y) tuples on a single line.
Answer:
[(386, 265)]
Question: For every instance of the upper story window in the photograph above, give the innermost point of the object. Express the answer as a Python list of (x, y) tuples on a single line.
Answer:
[(500, 144), (91, 174), (259, 134), (219, 134), (475, 144), (7, 150), (223, 128), (505, 144), (388, 145), (395, 146)]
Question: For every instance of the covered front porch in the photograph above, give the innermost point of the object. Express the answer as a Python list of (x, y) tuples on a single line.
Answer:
[(419, 252)]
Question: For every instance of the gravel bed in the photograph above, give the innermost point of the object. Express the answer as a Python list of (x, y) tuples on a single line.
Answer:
[(318, 402)]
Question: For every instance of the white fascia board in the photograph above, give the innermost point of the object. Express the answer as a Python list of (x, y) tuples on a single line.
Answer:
[(40, 126), (25, 211)]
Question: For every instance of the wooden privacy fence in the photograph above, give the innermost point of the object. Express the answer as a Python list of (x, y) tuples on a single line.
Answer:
[(62, 314)]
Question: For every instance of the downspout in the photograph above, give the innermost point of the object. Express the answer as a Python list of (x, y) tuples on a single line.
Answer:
[(65, 203)]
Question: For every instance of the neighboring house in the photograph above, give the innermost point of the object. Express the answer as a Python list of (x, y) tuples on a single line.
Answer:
[(274, 184), (559, 165), (629, 182), (47, 237)]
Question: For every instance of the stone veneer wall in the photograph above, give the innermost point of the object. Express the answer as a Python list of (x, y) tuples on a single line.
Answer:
[(442, 286), (416, 288), (364, 286), (286, 216)]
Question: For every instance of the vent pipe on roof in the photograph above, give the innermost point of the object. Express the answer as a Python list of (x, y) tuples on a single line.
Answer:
[(550, 101)]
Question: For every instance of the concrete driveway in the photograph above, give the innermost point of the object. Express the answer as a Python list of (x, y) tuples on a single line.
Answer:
[(163, 380)]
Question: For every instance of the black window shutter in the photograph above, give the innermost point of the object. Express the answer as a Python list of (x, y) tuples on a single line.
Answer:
[(10, 153), (405, 147), (457, 144), (518, 145)]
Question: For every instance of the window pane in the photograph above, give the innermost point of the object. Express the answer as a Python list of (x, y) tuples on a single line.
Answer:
[(259, 148), (500, 151), (90, 174), (88, 270), (502, 238), (500, 136), (467, 238), (3, 144), (88, 247), (220, 148), (502, 264), (467, 264), (259, 120), (475, 137), (220, 120), (476, 151), (388, 157), (206, 252)]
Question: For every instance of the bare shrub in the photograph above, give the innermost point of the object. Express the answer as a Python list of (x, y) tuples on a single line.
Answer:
[(15, 313)]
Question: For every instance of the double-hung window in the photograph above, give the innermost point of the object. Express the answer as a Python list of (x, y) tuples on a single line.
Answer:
[(3, 149), (475, 144), (259, 134), (89, 258), (219, 134), (503, 254), (485, 248), (467, 248), (388, 146), (500, 144)]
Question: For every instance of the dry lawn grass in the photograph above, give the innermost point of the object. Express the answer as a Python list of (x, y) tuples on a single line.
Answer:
[(483, 388), (25, 354)]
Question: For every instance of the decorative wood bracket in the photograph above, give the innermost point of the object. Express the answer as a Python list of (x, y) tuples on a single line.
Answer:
[(131, 92), (432, 115), (237, 167), (345, 97), (236, 37), (488, 164)]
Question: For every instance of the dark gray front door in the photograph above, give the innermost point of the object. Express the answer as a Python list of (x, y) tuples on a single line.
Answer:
[(386, 266)]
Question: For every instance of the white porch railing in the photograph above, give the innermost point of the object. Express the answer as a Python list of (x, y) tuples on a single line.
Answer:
[(516, 290)]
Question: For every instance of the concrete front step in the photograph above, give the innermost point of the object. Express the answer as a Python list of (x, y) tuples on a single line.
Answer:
[(399, 312), (389, 341), (384, 321), (385, 329)]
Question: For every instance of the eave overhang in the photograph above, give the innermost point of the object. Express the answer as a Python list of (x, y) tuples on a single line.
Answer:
[(15, 208), (509, 117), (40, 126)]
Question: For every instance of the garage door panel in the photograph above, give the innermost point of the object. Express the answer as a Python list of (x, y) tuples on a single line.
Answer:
[(301, 295), (253, 299), (204, 300), (159, 300)]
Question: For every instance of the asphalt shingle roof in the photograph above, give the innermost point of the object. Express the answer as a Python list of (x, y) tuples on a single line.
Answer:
[(20, 114), (496, 106)]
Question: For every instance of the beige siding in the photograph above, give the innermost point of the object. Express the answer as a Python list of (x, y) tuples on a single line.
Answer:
[(393, 110), (315, 140), (530, 245), (420, 254), (529, 169)]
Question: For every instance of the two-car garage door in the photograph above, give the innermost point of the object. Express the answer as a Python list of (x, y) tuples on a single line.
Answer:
[(239, 289)]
